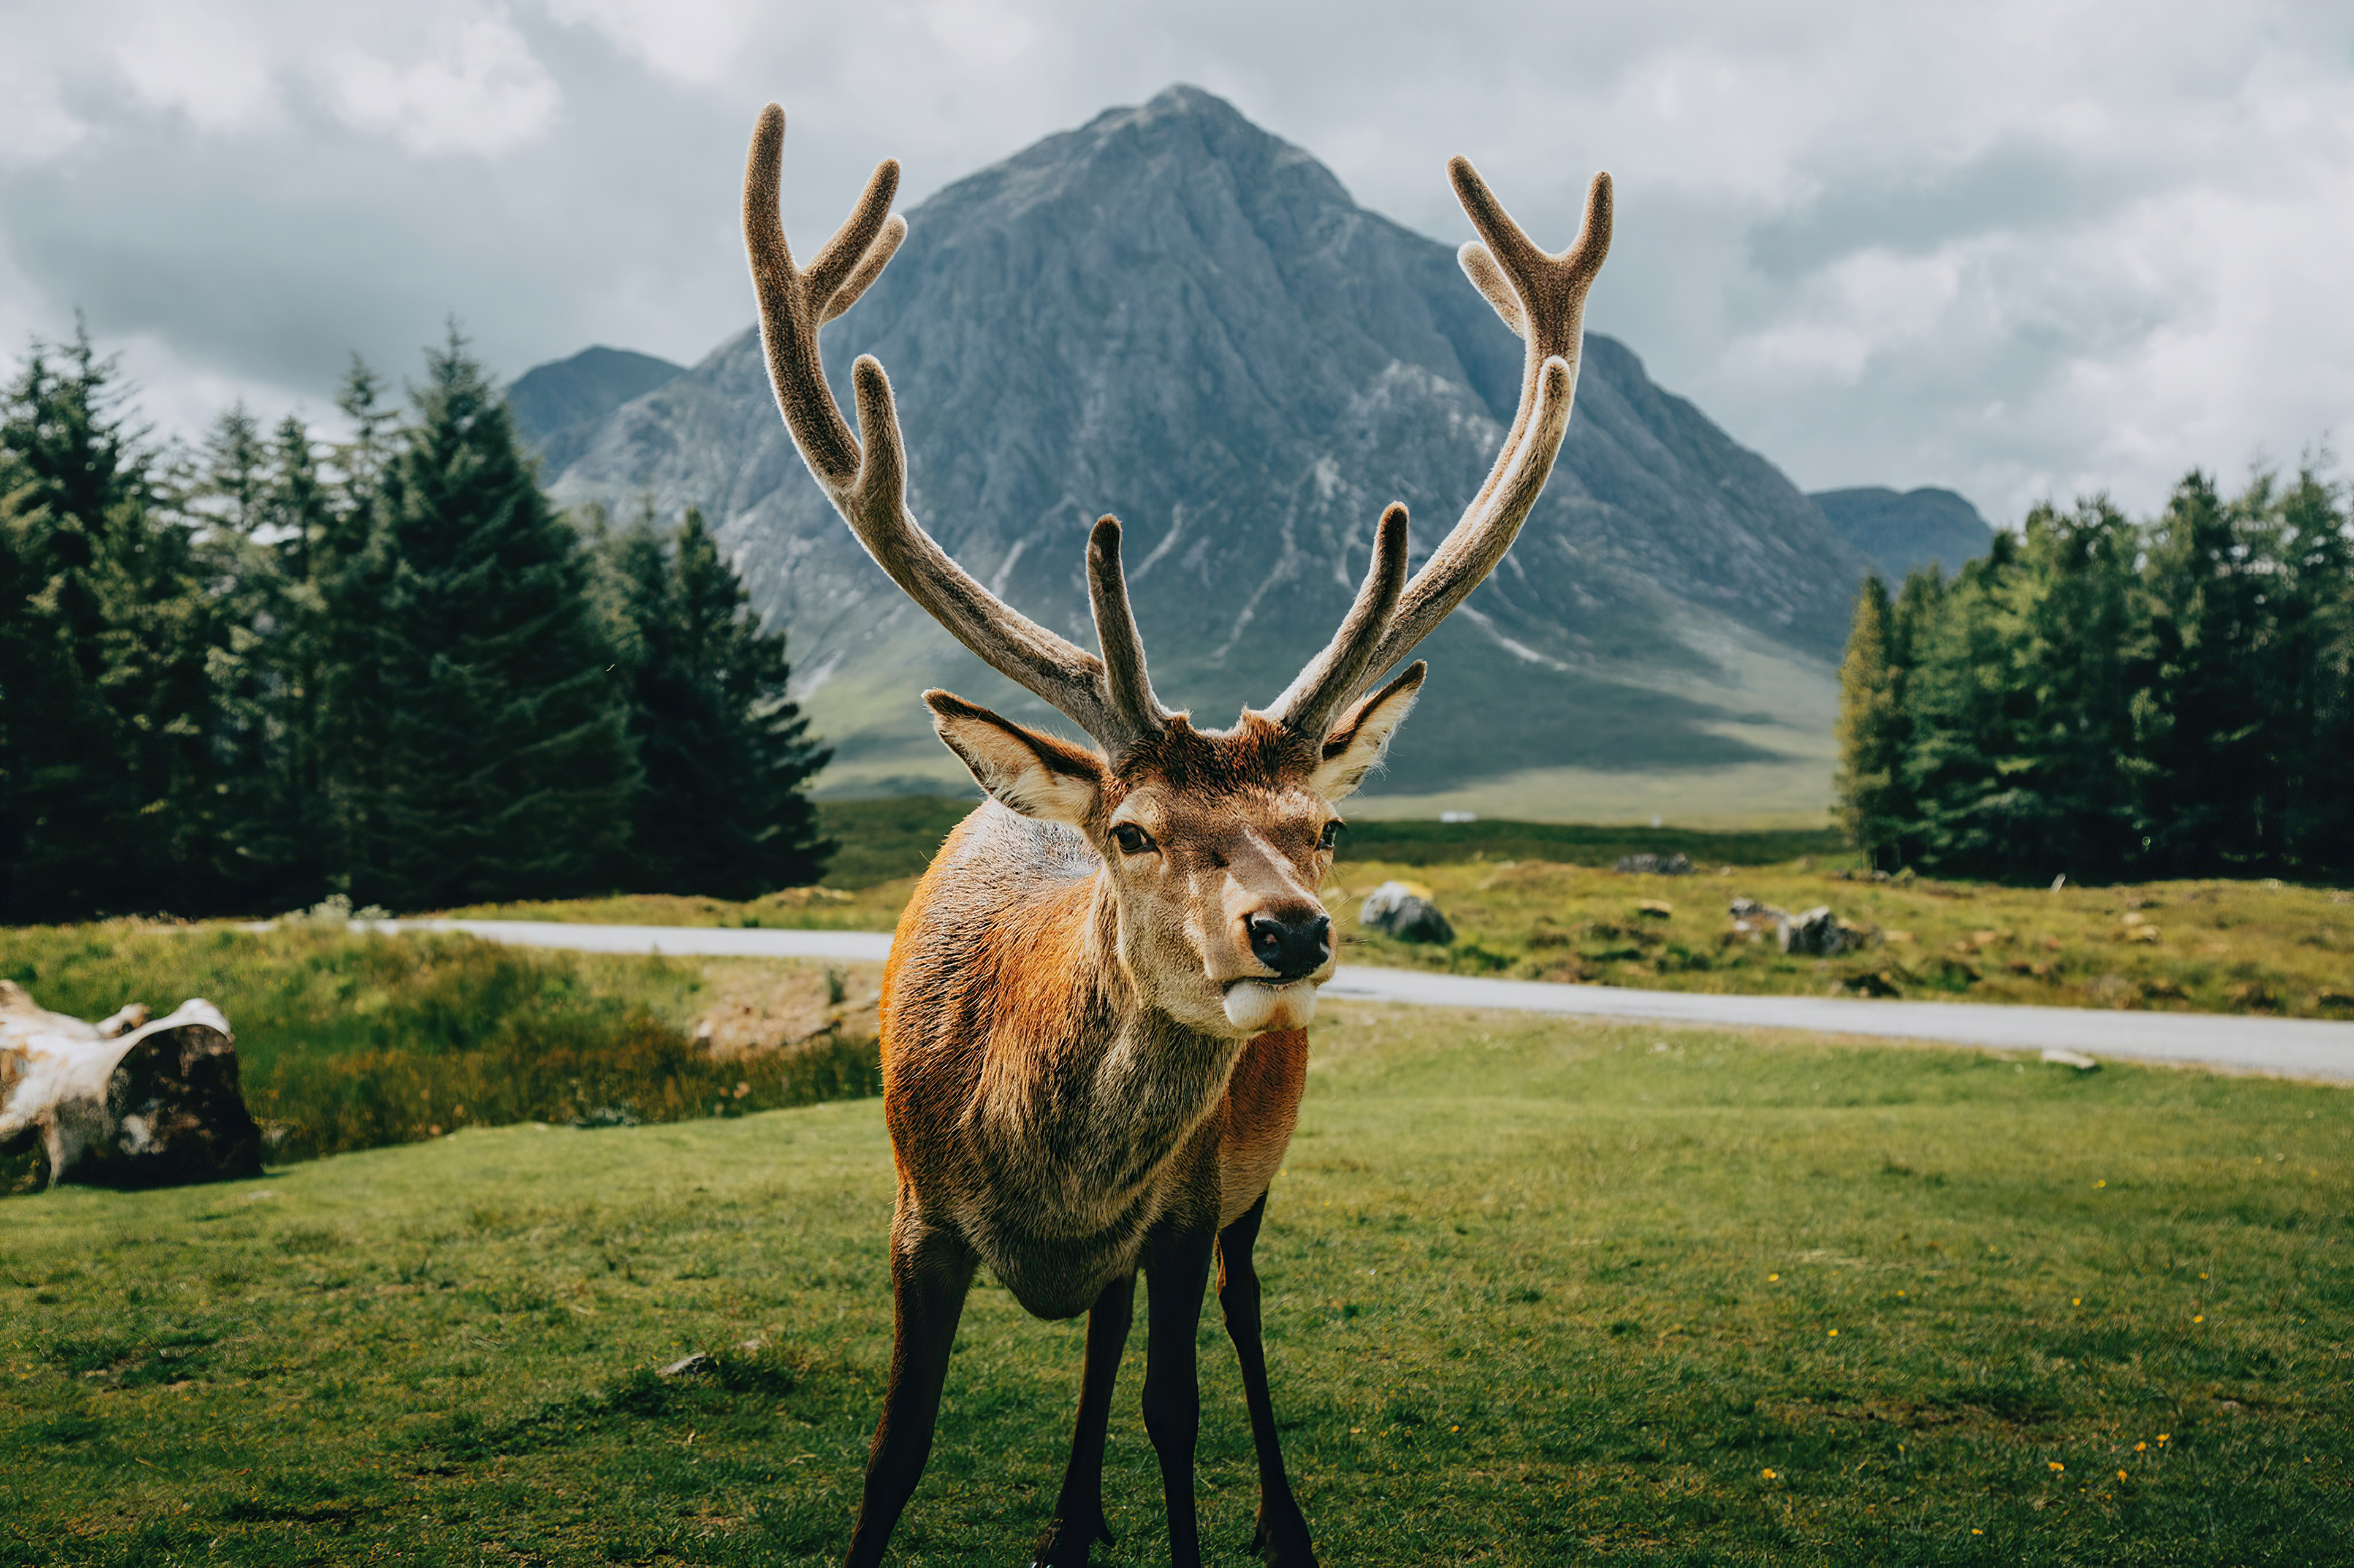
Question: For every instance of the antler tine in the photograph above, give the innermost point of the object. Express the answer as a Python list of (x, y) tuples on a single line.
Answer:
[(1308, 705), (1542, 298), (868, 484), (857, 234), (794, 374), (1125, 680)]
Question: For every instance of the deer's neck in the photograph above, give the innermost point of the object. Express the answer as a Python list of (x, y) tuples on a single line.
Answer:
[(1086, 1084)]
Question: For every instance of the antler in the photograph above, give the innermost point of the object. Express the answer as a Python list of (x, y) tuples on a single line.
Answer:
[(1542, 298), (867, 484)]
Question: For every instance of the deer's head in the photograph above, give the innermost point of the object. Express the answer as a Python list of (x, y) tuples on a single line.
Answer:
[(1214, 844)]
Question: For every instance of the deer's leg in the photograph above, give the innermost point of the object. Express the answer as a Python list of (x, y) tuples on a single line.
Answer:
[(1078, 1512), (1177, 1266), (930, 1272), (1282, 1534)]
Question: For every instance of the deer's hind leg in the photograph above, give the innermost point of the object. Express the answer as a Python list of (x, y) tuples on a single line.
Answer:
[(931, 1271), (1078, 1510), (1282, 1533)]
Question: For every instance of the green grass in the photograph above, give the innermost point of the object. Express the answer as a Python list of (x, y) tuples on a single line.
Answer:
[(352, 1042), (1540, 1292), (882, 841), (2204, 947)]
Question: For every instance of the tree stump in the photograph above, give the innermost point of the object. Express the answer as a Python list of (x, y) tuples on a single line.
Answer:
[(125, 1102)]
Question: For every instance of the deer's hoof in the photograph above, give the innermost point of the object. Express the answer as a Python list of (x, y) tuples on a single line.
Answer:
[(1282, 1542), (1064, 1544)]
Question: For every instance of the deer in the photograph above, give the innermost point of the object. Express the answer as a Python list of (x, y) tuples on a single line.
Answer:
[(1095, 1012)]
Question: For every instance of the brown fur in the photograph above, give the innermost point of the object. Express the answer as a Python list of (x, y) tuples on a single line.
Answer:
[(1256, 1118)]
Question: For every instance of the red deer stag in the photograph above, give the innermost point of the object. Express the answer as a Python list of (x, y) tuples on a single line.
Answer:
[(1095, 1014)]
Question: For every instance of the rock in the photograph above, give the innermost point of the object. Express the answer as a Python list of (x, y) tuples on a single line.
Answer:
[(1678, 865), (1753, 919), (126, 1102), (1400, 910), (1816, 933), (2076, 1059), (606, 1115)]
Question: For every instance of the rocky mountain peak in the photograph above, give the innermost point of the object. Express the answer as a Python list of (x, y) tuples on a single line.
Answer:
[(1172, 315)]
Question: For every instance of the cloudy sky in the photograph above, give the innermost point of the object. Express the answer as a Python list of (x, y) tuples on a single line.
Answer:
[(2019, 250)]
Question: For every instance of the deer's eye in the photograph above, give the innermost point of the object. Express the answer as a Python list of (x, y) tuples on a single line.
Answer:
[(1331, 835), (1132, 840)]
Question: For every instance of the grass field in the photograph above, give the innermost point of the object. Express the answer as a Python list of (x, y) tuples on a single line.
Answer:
[(1540, 1292), (2204, 947)]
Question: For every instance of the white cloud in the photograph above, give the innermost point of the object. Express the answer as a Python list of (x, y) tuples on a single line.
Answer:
[(698, 42), (2021, 248), (475, 88), (207, 63)]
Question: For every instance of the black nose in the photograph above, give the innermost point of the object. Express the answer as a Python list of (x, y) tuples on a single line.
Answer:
[(1291, 948)]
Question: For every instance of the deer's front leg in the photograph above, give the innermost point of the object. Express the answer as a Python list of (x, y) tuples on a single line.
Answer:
[(930, 1273), (1177, 1267), (1078, 1512), (1282, 1533)]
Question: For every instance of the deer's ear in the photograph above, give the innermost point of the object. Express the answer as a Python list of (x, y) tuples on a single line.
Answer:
[(1357, 742), (1023, 770)]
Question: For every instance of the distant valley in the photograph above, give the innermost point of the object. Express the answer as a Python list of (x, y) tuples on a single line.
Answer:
[(1170, 315)]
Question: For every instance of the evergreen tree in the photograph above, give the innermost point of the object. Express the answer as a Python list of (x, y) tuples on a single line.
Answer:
[(2075, 638), (2204, 721), (351, 568), (2313, 682), (1871, 732), (726, 756), (501, 765), (268, 507), (1960, 766), (108, 702)]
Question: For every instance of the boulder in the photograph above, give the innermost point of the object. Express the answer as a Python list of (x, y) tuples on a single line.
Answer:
[(125, 1102), (1817, 933), (1404, 912), (1677, 864)]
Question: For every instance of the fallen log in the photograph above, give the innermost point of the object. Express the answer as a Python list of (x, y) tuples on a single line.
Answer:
[(129, 1101)]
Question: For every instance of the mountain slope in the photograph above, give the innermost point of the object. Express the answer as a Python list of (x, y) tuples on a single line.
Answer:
[(1902, 533), (1170, 315), (556, 406)]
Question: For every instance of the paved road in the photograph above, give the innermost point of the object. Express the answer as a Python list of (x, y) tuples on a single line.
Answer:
[(2292, 1047)]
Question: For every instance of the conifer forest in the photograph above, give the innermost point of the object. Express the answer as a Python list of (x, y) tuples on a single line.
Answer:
[(245, 677), (2105, 697)]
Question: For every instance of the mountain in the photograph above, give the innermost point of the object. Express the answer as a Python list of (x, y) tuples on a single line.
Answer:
[(1902, 533), (1170, 315), (558, 405)]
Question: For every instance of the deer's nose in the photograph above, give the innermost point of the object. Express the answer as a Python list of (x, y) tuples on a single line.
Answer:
[(1291, 948)]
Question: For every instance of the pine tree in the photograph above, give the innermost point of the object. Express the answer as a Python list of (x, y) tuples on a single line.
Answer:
[(269, 517), (1871, 732), (2075, 656), (725, 755), (2204, 721), (2314, 679), (502, 764), (351, 568), (1962, 764), (110, 789)]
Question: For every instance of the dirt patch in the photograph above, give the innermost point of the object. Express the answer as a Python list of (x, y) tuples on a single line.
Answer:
[(752, 1006)]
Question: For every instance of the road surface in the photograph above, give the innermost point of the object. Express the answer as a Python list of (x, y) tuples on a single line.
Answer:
[(2290, 1047)]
